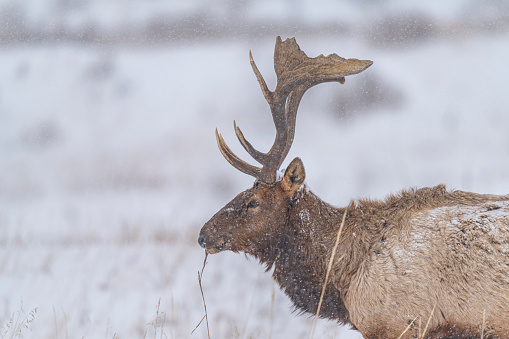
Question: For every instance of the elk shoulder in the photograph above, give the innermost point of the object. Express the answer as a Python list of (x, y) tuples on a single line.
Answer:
[(440, 251)]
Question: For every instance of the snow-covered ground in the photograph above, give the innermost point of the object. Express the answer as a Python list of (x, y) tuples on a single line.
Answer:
[(109, 165)]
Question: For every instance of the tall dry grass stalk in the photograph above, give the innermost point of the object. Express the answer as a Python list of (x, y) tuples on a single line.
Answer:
[(158, 323), (331, 260), (407, 328), (200, 275), (429, 320), (420, 336), (483, 323)]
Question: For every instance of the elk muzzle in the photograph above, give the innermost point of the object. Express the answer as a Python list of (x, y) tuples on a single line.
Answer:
[(212, 244)]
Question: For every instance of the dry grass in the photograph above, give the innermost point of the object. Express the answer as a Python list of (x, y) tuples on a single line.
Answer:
[(200, 275), (429, 320), (407, 328), (483, 323), (18, 323), (157, 325), (328, 272)]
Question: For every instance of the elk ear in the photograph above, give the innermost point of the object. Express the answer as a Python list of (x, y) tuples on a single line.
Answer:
[(294, 177)]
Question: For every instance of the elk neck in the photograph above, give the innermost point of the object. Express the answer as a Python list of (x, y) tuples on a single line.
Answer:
[(301, 252)]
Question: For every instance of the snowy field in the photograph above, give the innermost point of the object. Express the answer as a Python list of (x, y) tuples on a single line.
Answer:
[(109, 166)]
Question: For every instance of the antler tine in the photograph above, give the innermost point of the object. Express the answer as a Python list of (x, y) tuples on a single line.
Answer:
[(296, 73), (266, 92), (235, 161), (257, 155)]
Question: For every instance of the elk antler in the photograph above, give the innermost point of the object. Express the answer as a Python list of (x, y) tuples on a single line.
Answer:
[(296, 73)]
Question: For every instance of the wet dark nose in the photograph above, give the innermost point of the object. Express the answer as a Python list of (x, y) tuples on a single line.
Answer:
[(201, 239)]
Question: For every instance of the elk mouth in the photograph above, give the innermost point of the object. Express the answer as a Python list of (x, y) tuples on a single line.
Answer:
[(218, 248), (211, 246)]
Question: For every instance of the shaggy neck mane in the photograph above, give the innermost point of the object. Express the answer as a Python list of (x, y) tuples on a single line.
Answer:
[(301, 252)]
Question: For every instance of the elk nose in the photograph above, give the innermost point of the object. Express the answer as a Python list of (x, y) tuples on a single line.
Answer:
[(201, 239)]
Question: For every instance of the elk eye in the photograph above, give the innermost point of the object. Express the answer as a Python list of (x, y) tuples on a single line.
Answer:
[(253, 204)]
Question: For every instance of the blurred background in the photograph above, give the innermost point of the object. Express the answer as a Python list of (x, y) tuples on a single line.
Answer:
[(109, 165)]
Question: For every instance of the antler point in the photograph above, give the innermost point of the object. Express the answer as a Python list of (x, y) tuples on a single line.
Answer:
[(219, 137)]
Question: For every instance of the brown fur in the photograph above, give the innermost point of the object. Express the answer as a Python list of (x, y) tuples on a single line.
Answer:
[(423, 254)]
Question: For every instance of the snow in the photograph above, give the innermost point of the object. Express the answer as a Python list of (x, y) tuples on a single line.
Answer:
[(490, 218), (110, 167)]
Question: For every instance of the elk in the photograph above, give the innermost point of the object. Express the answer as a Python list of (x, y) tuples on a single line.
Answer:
[(424, 263)]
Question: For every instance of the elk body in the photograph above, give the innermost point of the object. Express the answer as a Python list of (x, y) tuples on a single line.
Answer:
[(425, 263)]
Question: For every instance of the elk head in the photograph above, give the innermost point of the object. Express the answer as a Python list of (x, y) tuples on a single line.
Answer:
[(253, 219)]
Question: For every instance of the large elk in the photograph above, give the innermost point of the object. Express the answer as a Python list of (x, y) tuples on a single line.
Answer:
[(424, 263)]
